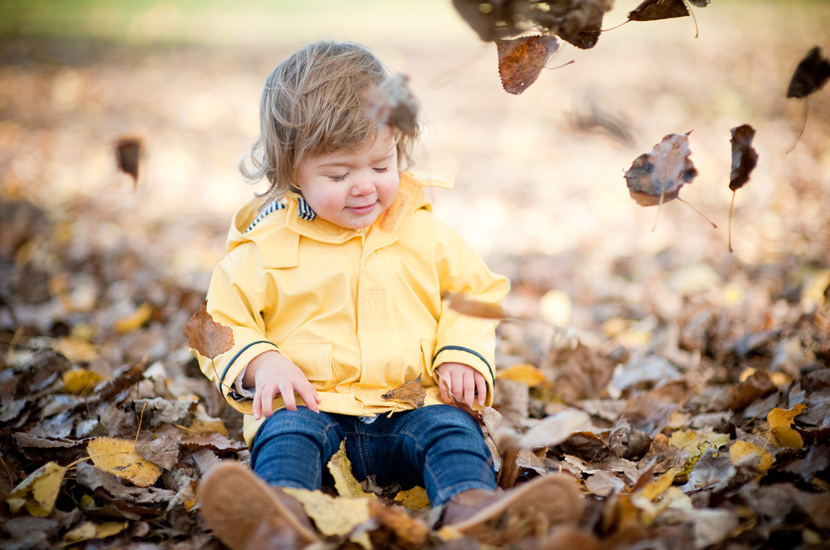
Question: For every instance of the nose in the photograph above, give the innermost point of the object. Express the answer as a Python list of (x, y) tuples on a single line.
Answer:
[(363, 185)]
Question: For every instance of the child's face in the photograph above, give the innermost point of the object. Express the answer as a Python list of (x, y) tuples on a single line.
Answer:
[(352, 188)]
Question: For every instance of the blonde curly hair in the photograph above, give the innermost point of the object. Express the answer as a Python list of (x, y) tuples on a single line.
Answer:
[(313, 104)]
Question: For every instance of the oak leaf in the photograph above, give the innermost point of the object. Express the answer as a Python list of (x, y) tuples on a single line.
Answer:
[(412, 393), (521, 60), (209, 338)]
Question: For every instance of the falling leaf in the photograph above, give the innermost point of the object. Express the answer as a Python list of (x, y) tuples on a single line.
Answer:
[(780, 425), (89, 530), (524, 373), (744, 160), (741, 448), (392, 104), (413, 499), (656, 177), (80, 381), (209, 338), (333, 516), (128, 152), (653, 10), (812, 74), (39, 491), (119, 458), (344, 481), (412, 393), (521, 60), (473, 308)]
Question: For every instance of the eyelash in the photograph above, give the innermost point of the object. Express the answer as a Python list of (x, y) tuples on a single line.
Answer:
[(341, 178)]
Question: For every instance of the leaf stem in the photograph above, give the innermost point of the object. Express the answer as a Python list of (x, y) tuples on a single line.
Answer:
[(804, 125), (731, 206), (699, 212)]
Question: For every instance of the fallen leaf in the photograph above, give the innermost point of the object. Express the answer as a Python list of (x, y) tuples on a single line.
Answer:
[(412, 393), (811, 74), (398, 528), (392, 104), (89, 530), (460, 404), (133, 321), (554, 429), (333, 516), (413, 499), (119, 458), (473, 308), (744, 160), (656, 177), (209, 338), (780, 425), (39, 491), (344, 481), (604, 483), (163, 451), (578, 371), (524, 373), (741, 448), (128, 151), (80, 381), (521, 60), (655, 488), (653, 10)]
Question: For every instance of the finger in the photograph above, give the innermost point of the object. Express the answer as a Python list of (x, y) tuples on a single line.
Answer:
[(287, 391), (309, 396), (257, 404), (469, 388), (442, 385), (458, 387), (481, 386), (268, 393)]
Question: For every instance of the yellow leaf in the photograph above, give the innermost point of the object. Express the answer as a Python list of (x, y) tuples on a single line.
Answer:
[(333, 516), (524, 373), (780, 425), (88, 531), (654, 489), (555, 308), (414, 499), (80, 381), (344, 481), (39, 491), (76, 350), (742, 448), (133, 321), (119, 458)]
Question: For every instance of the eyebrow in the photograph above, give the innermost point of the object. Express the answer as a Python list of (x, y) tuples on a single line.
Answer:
[(388, 156)]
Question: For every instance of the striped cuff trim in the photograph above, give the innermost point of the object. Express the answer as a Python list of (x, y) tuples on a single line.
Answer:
[(468, 350), (235, 357)]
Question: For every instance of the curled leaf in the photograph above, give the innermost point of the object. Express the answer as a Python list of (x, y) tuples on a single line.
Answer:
[(521, 60), (744, 160), (209, 338), (812, 74), (653, 10), (128, 152)]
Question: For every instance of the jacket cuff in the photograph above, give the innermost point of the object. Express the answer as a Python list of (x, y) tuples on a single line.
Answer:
[(238, 363)]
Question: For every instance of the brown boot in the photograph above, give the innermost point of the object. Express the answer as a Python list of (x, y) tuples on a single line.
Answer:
[(243, 511), (529, 509)]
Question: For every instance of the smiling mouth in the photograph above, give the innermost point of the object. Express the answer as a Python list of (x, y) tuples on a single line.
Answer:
[(362, 209)]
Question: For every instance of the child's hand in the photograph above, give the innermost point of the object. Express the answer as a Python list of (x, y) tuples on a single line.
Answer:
[(463, 381), (272, 373)]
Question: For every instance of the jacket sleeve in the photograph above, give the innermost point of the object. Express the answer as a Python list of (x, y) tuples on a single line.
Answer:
[(236, 299), (461, 338)]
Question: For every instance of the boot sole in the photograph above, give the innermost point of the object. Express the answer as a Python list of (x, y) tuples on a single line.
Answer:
[(235, 503)]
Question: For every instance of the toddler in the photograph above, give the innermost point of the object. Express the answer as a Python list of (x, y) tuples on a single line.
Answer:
[(333, 288)]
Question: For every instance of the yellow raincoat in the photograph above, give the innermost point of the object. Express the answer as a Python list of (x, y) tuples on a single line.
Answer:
[(359, 311)]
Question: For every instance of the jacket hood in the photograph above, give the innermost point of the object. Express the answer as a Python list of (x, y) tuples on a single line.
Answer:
[(292, 213)]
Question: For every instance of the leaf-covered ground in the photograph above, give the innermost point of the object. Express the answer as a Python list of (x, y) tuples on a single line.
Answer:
[(677, 350)]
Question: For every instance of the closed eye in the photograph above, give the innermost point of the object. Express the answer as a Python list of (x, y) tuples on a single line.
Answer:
[(339, 178), (381, 170)]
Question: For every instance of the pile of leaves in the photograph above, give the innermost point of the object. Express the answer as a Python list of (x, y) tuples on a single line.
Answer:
[(700, 418)]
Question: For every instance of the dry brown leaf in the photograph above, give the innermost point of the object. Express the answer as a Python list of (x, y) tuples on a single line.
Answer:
[(398, 528), (812, 74), (412, 393), (653, 10), (656, 177), (392, 104), (128, 151), (521, 60), (744, 160), (209, 338)]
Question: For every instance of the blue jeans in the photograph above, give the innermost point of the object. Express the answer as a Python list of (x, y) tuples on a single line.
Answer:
[(439, 447)]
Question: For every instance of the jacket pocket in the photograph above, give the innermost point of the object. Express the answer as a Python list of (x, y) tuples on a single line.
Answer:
[(313, 358)]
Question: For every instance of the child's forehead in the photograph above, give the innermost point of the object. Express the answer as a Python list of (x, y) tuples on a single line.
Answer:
[(380, 144)]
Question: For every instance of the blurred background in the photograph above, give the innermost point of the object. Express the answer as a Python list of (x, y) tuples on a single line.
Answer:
[(539, 177)]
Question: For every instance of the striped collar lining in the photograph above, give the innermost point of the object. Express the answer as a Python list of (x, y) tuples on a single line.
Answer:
[(304, 211)]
